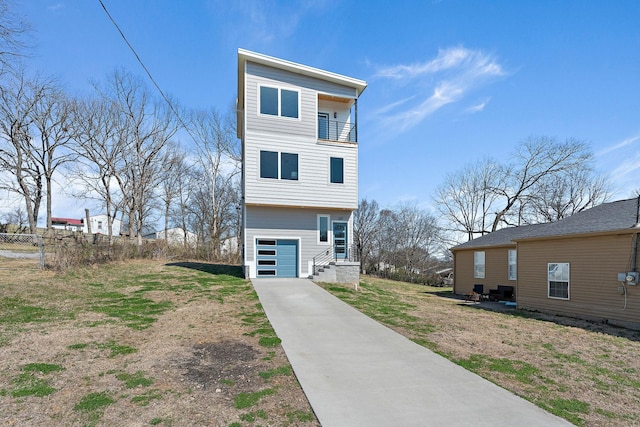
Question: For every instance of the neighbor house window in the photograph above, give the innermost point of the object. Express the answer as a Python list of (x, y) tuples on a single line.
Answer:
[(513, 264), (323, 228), (279, 102), (478, 265), (269, 164), (337, 170), (558, 276)]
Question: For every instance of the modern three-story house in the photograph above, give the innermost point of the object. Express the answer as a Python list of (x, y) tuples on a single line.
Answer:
[(298, 127)]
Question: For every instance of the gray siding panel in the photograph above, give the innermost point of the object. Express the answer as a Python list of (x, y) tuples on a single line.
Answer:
[(307, 122), (313, 187), (283, 223)]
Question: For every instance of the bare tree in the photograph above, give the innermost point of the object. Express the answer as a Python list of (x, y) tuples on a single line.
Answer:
[(100, 152), (13, 28), (467, 198), (365, 227), (562, 195), (52, 136), (535, 159), (545, 180), (175, 173), (146, 126), (219, 157), (17, 104), (17, 217), (417, 233), (225, 222)]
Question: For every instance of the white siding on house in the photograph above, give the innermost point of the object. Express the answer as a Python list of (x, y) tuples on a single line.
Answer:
[(313, 187), (309, 88), (296, 224), (100, 225)]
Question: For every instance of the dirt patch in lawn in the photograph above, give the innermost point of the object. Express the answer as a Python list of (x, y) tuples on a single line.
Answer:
[(141, 343)]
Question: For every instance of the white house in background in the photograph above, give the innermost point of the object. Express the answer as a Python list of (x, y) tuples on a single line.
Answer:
[(175, 236), (299, 134), (99, 225), (229, 245), (68, 224)]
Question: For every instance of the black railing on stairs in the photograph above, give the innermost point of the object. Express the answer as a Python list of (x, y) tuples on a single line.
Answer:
[(330, 255)]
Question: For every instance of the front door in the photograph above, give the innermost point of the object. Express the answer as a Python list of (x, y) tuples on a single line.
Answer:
[(340, 239)]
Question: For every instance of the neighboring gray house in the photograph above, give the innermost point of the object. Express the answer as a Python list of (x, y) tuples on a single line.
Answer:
[(298, 127)]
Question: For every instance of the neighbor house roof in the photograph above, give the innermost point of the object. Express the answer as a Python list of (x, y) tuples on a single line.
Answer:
[(68, 221), (621, 215)]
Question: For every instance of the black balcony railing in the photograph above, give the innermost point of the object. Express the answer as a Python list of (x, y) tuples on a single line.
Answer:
[(333, 130)]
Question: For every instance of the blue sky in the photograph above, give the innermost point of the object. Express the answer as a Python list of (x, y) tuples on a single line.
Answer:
[(450, 81)]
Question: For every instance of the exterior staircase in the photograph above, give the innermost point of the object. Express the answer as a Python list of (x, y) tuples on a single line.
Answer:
[(324, 273), (327, 267)]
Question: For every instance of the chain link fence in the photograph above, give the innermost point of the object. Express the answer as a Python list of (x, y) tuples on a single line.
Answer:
[(19, 251)]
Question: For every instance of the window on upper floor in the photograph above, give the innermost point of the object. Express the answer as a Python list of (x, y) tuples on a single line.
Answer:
[(558, 280), (337, 170), (513, 264), (279, 102), (272, 162), (478, 265)]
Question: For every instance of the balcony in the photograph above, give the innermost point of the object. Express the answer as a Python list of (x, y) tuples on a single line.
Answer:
[(333, 130)]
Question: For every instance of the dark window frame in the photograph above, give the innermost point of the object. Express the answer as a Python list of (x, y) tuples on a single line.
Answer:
[(336, 170)]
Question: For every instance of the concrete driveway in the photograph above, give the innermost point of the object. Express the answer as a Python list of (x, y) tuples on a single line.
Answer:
[(356, 372)]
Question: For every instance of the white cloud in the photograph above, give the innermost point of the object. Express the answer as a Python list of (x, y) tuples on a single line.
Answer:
[(393, 105), (618, 146), (56, 7), (267, 21), (443, 80), (478, 107)]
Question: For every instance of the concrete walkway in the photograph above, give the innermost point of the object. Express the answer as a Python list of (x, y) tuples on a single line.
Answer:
[(356, 372)]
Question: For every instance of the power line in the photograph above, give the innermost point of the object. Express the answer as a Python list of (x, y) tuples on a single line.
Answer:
[(144, 67)]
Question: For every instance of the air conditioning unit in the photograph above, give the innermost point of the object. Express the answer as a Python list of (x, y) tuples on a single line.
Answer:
[(629, 278)]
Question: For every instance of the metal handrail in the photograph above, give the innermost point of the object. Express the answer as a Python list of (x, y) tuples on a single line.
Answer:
[(333, 130), (329, 255)]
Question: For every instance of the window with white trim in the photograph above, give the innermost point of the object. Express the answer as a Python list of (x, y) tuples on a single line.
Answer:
[(336, 170), (558, 280), (513, 264), (276, 165), (478, 265), (279, 102), (323, 228)]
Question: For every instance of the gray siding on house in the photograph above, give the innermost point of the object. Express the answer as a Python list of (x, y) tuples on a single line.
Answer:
[(313, 187), (309, 88), (286, 223), (297, 136)]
